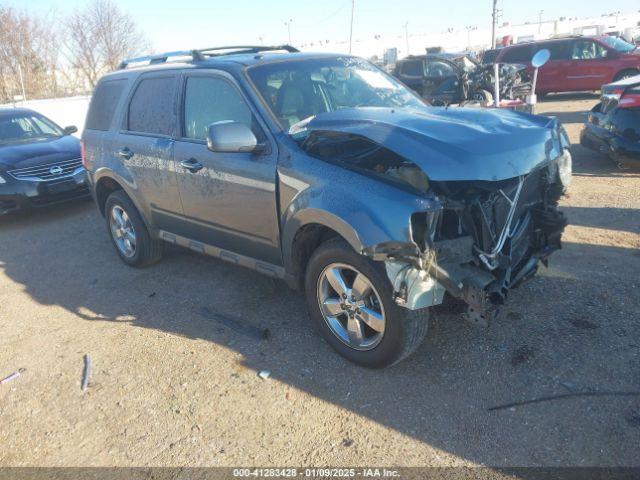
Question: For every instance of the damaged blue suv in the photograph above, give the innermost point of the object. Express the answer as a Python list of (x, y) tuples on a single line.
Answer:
[(324, 171)]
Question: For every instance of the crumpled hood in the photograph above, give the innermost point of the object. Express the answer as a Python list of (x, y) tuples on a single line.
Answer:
[(22, 155), (453, 144)]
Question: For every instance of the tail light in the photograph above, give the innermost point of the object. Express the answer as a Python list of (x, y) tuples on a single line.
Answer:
[(630, 98), (83, 154)]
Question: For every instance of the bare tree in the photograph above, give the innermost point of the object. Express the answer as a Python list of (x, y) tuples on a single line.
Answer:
[(28, 55), (98, 37)]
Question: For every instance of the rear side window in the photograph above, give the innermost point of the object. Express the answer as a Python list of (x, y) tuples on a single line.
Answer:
[(412, 68), (103, 104), (152, 107), (439, 68), (558, 50), (520, 54)]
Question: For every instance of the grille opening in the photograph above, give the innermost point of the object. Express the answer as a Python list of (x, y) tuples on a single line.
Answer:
[(49, 171)]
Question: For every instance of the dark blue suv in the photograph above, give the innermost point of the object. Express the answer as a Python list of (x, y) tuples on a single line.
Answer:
[(324, 171), (40, 162)]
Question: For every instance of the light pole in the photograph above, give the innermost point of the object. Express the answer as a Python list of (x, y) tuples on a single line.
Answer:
[(353, 8), (494, 20), (468, 29), (288, 25), (24, 93), (540, 21), (406, 35)]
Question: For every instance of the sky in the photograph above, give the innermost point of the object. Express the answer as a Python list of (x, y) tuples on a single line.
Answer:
[(189, 24)]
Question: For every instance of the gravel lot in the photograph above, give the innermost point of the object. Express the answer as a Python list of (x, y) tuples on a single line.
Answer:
[(176, 349)]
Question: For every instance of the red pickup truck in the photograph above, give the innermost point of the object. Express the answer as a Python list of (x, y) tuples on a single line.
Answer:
[(577, 63)]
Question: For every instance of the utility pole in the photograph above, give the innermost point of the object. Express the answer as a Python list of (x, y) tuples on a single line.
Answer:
[(540, 21), (468, 29), (406, 35), (353, 8), (494, 21), (288, 25), (24, 93)]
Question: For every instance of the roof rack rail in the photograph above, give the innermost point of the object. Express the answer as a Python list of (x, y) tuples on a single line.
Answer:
[(161, 58), (201, 54), (235, 49)]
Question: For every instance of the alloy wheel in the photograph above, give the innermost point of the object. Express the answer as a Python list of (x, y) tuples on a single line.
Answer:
[(351, 306), (122, 231)]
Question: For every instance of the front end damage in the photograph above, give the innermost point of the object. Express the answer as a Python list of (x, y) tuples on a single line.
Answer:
[(493, 180), (487, 238)]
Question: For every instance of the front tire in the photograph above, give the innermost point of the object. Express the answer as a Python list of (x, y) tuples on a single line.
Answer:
[(128, 232), (625, 74), (351, 302)]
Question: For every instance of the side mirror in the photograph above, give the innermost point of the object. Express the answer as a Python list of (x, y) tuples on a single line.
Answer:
[(232, 137), (540, 58), (70, 130)]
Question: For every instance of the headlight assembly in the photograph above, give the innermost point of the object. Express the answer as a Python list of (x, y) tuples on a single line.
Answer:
[(2, 180), (565, 168)]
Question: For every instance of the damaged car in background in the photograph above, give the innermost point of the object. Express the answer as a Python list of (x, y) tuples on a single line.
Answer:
[(326, 172), (455, 78), (613, 126)]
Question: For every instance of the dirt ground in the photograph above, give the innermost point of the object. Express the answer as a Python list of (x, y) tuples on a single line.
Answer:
[(176, 349)]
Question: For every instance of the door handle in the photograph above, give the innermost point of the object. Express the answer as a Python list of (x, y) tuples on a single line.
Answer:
[(125, 153), (192, 165)]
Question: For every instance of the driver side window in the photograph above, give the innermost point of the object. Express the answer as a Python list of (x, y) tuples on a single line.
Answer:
[(210, 100), (587, 50)]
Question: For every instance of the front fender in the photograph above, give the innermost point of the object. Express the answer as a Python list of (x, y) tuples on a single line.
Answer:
[(364, 211)]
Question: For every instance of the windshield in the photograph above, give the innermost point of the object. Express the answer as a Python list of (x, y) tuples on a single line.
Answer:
[(618, 44), (297, 90), (23, 127)]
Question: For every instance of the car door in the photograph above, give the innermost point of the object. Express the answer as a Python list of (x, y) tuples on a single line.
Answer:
[(145, 143), (440, 80), (552, 75), (587, 66), (229, 199)]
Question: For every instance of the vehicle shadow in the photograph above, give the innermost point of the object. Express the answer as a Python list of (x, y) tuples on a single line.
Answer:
[(587, 163), (572, 325), (568, 117), (571, 96), (624, 219)]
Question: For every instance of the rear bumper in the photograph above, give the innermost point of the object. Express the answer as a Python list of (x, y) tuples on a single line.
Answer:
[(625, 151), (19, 195), (614, 146)]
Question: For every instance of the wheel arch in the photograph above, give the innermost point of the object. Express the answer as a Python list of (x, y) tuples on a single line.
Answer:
[(105, 186), (305, 234), (106, 182), (621, 73)]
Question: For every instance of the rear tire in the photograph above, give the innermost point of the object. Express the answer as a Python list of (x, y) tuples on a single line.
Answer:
[(404, 330), (128, 232)]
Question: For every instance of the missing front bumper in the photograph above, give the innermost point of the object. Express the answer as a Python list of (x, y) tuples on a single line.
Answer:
[(481, 291)]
